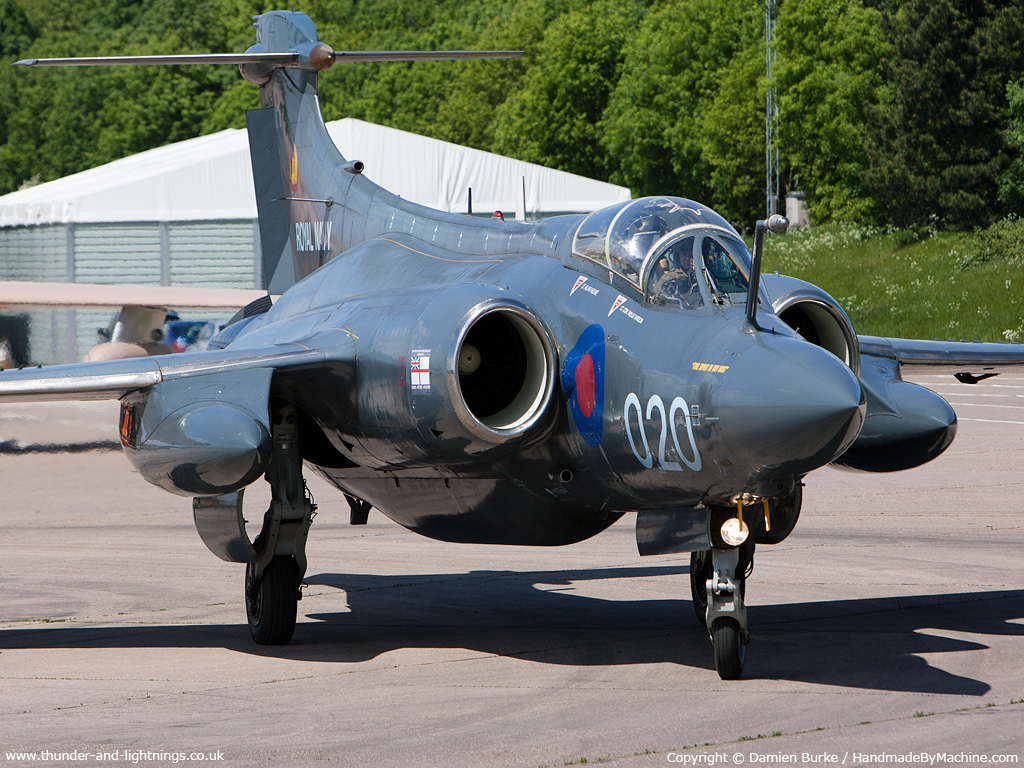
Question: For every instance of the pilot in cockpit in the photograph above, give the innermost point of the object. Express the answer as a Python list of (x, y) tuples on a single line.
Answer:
[(674, 280)]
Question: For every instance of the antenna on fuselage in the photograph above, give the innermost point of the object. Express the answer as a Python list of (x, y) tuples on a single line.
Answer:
[(771, 114)]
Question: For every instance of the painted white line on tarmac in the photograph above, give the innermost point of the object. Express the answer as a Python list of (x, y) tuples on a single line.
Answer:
[(984, 384), (992, 421), (985, 405), (972, 395)]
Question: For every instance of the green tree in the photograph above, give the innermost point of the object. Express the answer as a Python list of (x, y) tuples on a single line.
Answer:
[(553, 118), (453, 101), (939, 136), (1011, 183), (732, 139), (16, 35), (57, 122), (16, 30), (687, 102), (829, 81)]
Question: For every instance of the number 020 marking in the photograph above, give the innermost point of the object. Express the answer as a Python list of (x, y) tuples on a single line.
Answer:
[(668, 426)]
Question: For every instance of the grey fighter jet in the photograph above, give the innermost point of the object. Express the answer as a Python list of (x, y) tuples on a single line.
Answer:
[(504, 382)]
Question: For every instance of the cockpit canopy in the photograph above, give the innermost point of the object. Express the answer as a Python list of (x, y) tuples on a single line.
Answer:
[(678, 252)]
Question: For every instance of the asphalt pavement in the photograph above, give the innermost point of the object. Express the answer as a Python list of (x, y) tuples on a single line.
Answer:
[(888, 629)]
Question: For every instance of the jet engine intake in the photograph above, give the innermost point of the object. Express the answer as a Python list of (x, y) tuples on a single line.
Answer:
[(815, 315), (476, 376), (500, 371)]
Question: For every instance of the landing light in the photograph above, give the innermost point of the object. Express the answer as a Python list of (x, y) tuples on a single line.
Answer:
[(734, 532)]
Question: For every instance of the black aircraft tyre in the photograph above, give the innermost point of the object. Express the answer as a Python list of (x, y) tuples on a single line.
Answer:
[(272, 603), (730, 652)]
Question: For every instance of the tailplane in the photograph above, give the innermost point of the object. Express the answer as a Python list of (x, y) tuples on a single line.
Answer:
[(310, 200)]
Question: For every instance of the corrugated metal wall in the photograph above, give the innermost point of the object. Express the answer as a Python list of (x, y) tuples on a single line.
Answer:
[(212, 254), (34, 253), (117, 253), (39, 254)]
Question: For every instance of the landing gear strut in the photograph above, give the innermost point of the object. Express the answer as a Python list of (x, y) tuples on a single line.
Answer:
[(273, 579), (717, 585)]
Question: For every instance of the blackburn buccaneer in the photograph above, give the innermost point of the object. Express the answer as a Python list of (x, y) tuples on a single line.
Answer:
[(504, 382)]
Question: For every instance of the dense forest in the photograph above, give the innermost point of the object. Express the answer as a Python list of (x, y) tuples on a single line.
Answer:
[(892, 112)]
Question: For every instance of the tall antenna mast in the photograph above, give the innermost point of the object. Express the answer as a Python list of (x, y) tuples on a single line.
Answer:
[(771, 113)]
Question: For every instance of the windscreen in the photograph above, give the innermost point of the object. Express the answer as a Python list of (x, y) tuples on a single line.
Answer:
[(723, 256), (672, 280), (622, 236), (695, 265)]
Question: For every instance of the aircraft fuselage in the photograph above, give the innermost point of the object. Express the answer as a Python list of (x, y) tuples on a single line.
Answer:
[(654, 408)]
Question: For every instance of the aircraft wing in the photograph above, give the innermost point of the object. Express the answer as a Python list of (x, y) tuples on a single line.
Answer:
[(26, 295), (112, 379), (969, 361)]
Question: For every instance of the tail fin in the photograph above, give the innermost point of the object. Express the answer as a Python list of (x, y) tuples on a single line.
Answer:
[(312, 203), (293, 158)]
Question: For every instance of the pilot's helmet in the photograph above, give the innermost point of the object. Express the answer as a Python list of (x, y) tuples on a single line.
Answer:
[(644, 232), (648, 224)]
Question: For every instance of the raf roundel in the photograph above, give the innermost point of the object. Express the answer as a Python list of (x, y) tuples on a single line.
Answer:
[(583, 379)]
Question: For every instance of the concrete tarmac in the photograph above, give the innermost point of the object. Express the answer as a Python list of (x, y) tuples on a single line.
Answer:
[(886, 629)]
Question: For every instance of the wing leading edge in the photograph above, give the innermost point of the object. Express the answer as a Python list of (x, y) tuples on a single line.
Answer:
[(968, 357), (112, 380), (194, 424)]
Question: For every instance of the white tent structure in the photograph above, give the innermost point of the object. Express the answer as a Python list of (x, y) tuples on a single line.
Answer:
[(210, 178), (185, 214)]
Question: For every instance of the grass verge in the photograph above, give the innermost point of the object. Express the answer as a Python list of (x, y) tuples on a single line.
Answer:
[(914, 284)]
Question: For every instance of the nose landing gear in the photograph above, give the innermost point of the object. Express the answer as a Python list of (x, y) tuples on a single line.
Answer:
[(717, 585), (727, 615)]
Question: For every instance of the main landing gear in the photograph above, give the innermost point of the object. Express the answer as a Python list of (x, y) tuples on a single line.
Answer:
[(276, 561), (273, 578)]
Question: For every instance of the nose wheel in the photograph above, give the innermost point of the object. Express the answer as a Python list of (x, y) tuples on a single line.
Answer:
[(717, 585), (730, 650)]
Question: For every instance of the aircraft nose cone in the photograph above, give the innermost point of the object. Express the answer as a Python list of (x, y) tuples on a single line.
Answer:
[(794, 407)]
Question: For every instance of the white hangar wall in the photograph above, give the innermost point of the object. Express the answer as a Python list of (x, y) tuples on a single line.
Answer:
[(185, 214)]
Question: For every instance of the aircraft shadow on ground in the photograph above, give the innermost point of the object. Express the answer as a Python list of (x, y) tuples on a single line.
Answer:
[(873, 643)]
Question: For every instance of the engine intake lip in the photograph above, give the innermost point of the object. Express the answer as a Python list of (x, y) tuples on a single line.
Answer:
[(831, 323), (529, 353)]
